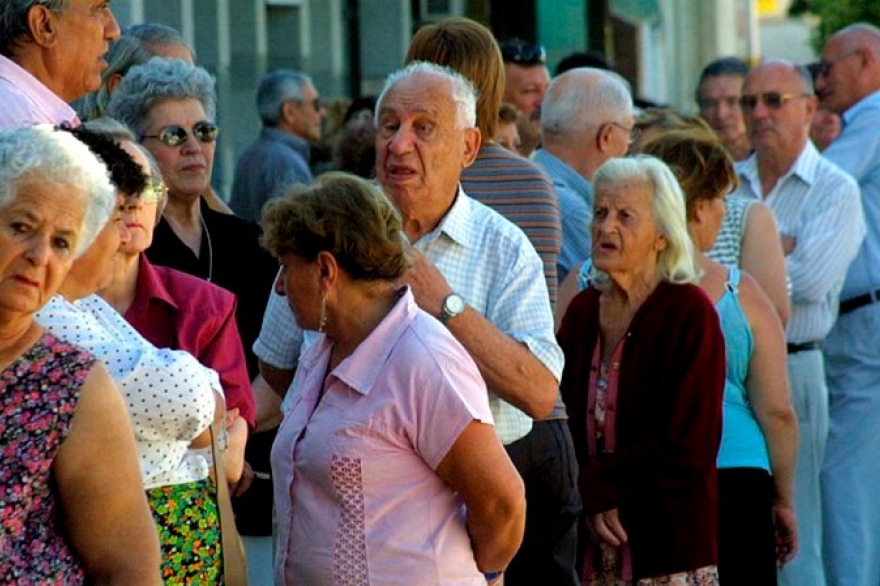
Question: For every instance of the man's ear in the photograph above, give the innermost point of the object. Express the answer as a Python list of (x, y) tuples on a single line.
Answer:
[(472, 140), (113, 81), (604, 138), (42, 25), (290, 112)]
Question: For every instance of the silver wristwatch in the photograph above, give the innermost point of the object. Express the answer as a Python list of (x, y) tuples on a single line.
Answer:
[(453, 305)]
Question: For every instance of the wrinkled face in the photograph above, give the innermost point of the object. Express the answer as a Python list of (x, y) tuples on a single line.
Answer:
[(310, 115), (626, 238), (93, 270), (777, 129), (525, 88), (298, 281), (420, 146), (84, 32), (39, 231), (824, 128), (719, 106), (187, 167), (508, 137), (140, 212), (837, 83)]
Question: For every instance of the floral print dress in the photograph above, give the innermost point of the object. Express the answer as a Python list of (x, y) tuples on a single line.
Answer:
[(39, 393)]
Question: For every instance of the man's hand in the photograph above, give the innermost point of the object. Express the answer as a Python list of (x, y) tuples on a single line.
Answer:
[(428, 285)]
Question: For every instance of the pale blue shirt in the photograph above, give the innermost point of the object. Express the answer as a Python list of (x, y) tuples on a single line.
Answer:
[(818, 204), (857, 151), (493, 266), (575, 196)]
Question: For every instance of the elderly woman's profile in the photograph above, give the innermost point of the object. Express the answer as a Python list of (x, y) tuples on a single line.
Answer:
[(72, 506)]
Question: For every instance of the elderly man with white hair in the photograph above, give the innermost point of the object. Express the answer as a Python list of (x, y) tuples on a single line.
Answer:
[(586, 119)]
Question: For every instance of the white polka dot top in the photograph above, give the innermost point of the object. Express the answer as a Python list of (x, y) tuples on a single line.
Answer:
[(168, 392)]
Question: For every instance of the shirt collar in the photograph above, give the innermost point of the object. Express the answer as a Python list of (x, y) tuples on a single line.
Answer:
[(150, 286), (361, 369), (561, 173), (295, 142), (866, 102), (54, 108), (804, 168), (457, 224)]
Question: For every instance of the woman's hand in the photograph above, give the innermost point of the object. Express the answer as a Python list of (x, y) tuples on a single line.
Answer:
[(785, 525), (607, 526)]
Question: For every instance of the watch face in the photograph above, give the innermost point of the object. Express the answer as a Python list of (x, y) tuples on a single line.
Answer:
[(454, 304)]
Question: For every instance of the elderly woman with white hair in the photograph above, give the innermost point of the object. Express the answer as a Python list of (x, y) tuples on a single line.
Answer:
[(643, 382), (171, 106), (72, 506)]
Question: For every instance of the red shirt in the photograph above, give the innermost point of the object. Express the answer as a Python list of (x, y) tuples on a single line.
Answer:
[(175, 310)]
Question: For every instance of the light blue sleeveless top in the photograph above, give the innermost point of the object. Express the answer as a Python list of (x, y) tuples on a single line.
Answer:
[(742, 441)]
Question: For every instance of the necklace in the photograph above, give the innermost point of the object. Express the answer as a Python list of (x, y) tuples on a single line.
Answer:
[(210, 248)]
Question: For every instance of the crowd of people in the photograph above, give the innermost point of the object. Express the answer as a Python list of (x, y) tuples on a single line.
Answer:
[(529, 329)]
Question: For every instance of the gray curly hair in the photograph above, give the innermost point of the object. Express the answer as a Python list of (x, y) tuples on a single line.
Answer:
[(157, 80)]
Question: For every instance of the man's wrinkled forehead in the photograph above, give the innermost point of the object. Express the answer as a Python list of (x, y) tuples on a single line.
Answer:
[(427, 95)]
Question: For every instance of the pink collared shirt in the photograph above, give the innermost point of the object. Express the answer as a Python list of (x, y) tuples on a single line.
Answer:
[(24, 100), (358, 499)]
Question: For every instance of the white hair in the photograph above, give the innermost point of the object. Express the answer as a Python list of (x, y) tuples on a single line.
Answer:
[(583, 97), (463, 92), (677, 261), (42, 154)]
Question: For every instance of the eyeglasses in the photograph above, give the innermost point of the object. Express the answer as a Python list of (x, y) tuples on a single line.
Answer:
[(632, 132), (175, 135), (773, 100), (154, 192), (523, 53), (823, 67)]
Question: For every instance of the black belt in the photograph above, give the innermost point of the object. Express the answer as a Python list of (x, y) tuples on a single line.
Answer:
[(858, 301), (803, 347)]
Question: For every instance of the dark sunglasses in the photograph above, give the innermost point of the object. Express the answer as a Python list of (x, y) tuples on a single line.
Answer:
[(523, 54), (176, 135), (773, 100)]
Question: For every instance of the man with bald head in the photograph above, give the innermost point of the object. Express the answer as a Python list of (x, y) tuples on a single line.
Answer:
[(51, 53), (848, 83), (820, 220), (586, 119)]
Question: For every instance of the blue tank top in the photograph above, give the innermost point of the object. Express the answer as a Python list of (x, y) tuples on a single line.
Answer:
[(742, 441)]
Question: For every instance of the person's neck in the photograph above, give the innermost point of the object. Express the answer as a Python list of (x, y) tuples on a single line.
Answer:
[(774, 164), (17, 334), (362, 313), (121, 291), (739, 148), (583, 163), (185, 218), (630, 290), (419, 221)]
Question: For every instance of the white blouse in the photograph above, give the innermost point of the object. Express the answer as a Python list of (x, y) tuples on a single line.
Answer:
[(169, 394)]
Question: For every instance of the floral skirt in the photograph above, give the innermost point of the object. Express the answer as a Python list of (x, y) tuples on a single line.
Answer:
[(605, 564), (188, 522)]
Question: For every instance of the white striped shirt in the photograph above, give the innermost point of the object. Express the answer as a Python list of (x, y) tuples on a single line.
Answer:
[(819, 205)]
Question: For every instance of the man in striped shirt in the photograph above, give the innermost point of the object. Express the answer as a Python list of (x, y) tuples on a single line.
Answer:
[(818, 209)]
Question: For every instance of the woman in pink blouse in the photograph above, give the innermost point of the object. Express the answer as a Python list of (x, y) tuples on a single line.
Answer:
[(387, 467)]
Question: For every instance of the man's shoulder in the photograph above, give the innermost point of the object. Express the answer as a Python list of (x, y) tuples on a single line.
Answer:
[(496, 166), (832, 172)]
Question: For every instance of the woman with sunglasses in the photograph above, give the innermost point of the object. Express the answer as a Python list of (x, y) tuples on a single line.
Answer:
[(170, 105)]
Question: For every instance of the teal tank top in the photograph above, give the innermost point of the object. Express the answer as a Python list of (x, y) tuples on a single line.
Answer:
[(742, 441)]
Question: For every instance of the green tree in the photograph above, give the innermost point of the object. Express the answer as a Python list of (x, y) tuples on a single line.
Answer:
[(833, 15)]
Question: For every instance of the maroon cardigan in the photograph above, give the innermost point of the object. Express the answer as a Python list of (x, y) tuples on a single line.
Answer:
[(662, 477)]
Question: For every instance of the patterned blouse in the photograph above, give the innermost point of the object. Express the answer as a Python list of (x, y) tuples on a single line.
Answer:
[(40, 392)]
